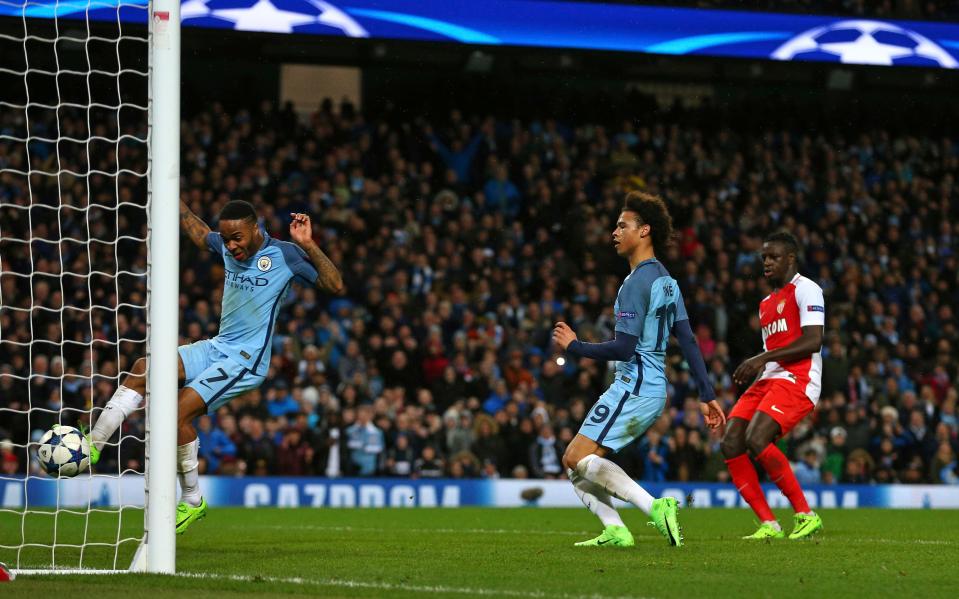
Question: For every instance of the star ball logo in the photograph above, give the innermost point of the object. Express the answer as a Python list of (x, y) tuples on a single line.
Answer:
[(866, 42), (274, 16)]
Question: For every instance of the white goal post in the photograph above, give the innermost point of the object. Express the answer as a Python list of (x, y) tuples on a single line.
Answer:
[(164, 285), (89, 276)]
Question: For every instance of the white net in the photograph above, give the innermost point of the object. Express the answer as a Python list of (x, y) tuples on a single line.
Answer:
[(73, 264)]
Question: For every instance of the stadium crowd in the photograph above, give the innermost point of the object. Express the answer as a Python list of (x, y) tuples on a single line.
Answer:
[(461, 242)]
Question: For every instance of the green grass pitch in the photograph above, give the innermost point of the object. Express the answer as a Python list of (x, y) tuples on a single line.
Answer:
[(523, 552)]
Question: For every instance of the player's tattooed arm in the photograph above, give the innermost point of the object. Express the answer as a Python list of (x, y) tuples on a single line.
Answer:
[(329, 280), (196, 229)]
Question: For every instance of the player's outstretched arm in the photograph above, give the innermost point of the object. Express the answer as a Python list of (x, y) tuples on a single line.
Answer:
[(620, 348), (329, 280), (196, 229)]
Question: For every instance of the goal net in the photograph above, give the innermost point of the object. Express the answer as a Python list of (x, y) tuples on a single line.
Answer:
[(75, 270)]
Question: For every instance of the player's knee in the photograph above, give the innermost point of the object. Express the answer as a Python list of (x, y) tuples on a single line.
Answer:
[(568, 462), (732, 445), (188, 416), (572, 457), (190, 407), (755, 444)]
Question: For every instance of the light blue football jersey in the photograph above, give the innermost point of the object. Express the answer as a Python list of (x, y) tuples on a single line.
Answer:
[(252, 293), (648, 304)]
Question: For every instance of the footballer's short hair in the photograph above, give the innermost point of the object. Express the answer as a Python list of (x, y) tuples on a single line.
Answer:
[(238, 210), (787, 239), (651, 210)]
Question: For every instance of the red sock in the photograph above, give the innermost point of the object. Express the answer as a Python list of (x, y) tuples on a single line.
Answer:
[(747, 482), (781, 473)]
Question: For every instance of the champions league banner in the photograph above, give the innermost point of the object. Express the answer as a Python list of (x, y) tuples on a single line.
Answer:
[(102, 491), (559, 24)]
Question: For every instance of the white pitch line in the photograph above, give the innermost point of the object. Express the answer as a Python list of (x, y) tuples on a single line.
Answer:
[(580, 533), (492, 531), (67, 572), (900, 541), (341, 583), (388, 586)]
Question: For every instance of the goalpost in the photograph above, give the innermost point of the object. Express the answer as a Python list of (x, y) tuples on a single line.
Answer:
[(89, 276)]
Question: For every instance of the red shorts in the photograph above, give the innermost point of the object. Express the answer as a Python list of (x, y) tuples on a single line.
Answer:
[(784, 401)]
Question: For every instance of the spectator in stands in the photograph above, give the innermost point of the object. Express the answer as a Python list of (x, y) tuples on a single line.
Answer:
[(654, 450), (459, 156), (428, 465), (294, 457), (545, 454), (807, 470), (9, 462), (257, 448), (215, 444), (501, 195), (944, 468), (687, 455), (400, 458), (365, 442), (488, 445)]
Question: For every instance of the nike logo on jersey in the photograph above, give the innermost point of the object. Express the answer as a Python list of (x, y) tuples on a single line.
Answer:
[(215, 379), (777, 410), (776, 326)]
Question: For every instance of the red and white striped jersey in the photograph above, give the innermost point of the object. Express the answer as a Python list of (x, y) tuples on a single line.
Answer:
[(782, 315)]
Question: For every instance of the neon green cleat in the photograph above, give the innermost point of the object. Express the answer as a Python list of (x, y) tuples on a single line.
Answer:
[(187, 514), (612, 536), (766, 531), (806, 526), (94, 452), (664, 516)]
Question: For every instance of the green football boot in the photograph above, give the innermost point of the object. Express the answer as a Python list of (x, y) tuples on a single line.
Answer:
[(805, 526), (612, 536), (187, 514), (664, 516), (766, 531), (94, 452)]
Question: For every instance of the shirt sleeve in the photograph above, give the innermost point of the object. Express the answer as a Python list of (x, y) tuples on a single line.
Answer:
[(694, 357), (214, 242), (621, 348), (812, 306), (633, 301), (680, 305), (299, 264)]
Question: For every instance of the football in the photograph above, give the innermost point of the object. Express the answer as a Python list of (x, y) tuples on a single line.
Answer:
[(63, 451)]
